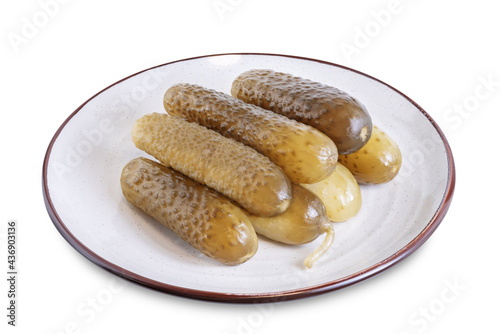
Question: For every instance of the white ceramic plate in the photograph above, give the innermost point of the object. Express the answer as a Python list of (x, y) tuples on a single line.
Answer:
[(82, 192)]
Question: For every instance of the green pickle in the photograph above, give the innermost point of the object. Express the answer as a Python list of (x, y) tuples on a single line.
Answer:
[(304, 221), (199, 215), (335, 113), (237, 171), (305, 154)]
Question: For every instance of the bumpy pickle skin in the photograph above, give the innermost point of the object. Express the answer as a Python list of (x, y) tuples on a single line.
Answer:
[(235, 170), (379, 161), (340, 193), (199, 215), (335, 113), (303, 221), (305, 154)]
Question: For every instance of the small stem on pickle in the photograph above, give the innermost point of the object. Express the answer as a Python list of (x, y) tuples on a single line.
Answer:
[(327, 242)]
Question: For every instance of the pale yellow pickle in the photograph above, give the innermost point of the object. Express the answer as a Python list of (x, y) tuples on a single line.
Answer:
[(340, 194), (379, 161)]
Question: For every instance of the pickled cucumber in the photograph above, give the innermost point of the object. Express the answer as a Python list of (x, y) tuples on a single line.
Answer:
[(305, 154), (235, 170), (303, 221), (199, 215), (377, 162), (340, 193), (341, 117)]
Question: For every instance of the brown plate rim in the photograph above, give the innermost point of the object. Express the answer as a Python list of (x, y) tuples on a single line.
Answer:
[(333, 285)]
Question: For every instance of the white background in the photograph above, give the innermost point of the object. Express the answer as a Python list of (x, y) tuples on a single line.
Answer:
[(438, 53)]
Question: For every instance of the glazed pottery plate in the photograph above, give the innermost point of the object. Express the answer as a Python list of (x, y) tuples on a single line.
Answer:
[(81, 187)]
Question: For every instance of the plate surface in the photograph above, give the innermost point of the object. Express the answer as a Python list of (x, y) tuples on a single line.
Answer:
[(82, 193)]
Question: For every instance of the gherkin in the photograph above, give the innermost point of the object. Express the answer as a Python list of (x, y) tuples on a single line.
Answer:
[(305, 154), (335, 113), (379, 161), (204, 218), (235, 170), (303, 221)]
